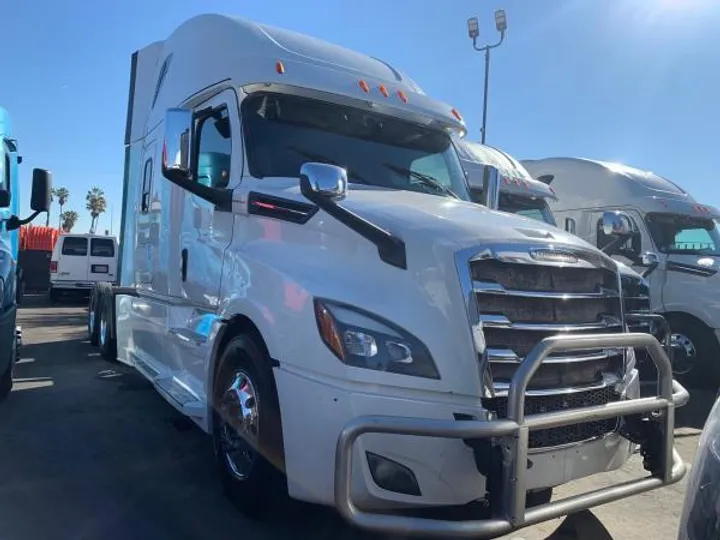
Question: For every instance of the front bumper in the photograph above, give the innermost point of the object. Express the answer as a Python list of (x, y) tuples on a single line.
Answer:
[(513, 433)]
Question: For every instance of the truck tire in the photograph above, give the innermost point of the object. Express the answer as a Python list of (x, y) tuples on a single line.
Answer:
[(93, 318), (247, 432), (6, 379), (696, 354), (53, 296), (106, 337)]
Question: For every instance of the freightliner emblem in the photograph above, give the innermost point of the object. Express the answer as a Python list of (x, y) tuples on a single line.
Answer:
[(553, 255)]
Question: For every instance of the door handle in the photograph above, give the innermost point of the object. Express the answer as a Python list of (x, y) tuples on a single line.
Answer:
[(183, 267)]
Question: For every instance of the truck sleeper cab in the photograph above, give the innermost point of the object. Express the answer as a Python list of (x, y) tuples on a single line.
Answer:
[(673, 234), (312, 299)]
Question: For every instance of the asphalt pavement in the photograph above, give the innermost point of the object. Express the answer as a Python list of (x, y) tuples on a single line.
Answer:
[(88, 450)]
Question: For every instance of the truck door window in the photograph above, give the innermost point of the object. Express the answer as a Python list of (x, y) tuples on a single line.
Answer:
[(146, 186), (684, 235), (74, 246), (102, 247), (214, 149)]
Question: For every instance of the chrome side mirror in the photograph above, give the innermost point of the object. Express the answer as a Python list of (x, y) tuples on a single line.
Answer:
[(491, 187), (177, 143), (617, 224), (323, 180), (649, 259)]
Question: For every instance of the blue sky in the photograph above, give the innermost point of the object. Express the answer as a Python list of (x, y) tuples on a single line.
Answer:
[(635, 81)]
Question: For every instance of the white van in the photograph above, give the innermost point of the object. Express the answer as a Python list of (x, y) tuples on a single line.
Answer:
[(81, 260)]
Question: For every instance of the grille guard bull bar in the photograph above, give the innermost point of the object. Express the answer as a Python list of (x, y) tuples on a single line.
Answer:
[(515, 434)]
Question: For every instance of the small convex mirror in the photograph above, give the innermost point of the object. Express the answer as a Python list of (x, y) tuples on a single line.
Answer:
[(323, 180)]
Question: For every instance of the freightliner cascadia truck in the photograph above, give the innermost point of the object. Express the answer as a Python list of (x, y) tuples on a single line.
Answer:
[(304, 275)]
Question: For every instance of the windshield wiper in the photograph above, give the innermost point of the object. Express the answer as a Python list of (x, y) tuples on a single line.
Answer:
[(425, 179), (323, 159)]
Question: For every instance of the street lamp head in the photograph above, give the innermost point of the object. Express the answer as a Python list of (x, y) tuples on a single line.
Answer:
[(500, 20), (473, 28)]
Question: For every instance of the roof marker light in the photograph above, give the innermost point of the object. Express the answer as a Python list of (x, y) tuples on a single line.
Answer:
[(403, 97), (457, 115), (383, 90), (279, 67), (364, 86)]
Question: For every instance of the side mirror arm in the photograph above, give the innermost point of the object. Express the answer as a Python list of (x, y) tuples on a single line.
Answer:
[(15, 222)]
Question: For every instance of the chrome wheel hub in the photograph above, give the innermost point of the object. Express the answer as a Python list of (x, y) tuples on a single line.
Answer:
[(685, 354), (240, 424), (91, 321)]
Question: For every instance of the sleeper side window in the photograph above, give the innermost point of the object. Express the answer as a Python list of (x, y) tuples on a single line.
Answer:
[(214, 149), (146, 186)]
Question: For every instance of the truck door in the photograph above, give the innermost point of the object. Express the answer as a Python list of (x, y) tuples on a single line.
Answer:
[(202, 235), (149, 310)]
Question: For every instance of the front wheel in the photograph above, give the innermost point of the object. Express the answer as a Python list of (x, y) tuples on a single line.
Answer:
[(696, 354), (93, 318), (246, 430)]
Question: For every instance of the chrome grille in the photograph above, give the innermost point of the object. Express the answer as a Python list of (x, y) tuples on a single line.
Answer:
[(520, 302), (546, 438)]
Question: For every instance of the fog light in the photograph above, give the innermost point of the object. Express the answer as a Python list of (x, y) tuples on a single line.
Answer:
[(392, 476)]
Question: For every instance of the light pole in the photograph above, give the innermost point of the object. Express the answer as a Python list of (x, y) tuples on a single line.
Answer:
[(474, 33)]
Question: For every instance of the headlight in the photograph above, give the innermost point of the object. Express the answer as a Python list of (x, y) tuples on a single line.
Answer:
[(701, 511), (364, 340)]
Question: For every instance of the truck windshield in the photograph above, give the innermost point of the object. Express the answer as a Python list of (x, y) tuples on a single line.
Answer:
[(534, 208), (528, 207), (684, 235), (283, 132)]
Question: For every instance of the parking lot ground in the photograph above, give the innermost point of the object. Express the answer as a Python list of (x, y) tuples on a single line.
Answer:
[(88, 450)]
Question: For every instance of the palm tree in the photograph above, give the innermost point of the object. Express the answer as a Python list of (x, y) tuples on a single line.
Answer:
[(95, 204), (68, 219), (62, 194)]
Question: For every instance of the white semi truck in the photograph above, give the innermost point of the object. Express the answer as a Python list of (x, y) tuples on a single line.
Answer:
[(671, 233), (521, 194), (303, 275)]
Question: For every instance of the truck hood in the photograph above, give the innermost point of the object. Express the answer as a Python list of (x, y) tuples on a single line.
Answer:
[(458, 224)]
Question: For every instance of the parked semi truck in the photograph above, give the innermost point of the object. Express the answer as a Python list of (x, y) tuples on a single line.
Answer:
[(302, 273), (521, 194), (672, 234), (10, 272)]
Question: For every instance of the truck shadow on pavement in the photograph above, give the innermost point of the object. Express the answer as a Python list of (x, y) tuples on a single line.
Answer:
[(89, 450)]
